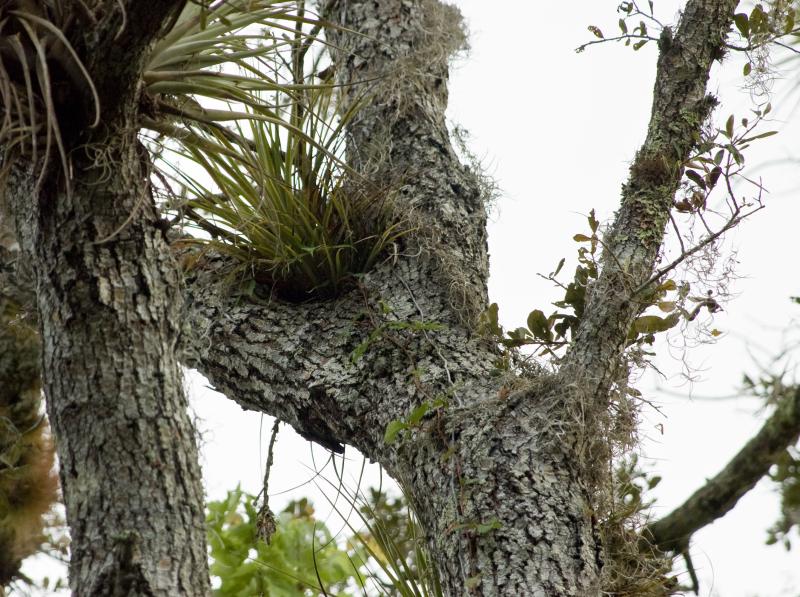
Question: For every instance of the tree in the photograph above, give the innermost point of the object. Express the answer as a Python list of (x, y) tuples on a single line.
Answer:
[(506, 467)]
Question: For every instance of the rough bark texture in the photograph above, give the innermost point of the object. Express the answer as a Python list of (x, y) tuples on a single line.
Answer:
[(632, 245), (494, 485), (494, 475), (493, 469), (108, 300)]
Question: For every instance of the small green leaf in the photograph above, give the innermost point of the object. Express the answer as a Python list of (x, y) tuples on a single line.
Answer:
[(488, 527), (742, 24), (559, 266), (359, 351), (651, 324), (593, 223), (713, 177), (472, 582), (581, 238), (696, 178), (668, 285), (488, 321), (537, 324), (638, 45), (417, 414), (392, 430), (761, 136), (748, 67), (596, 31), (667, 306), (788, 26), (623, 27), (729, 127), (758, 19)]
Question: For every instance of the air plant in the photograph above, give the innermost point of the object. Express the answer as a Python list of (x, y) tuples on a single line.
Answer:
[(286, 208), (273, 192), (35, 58)]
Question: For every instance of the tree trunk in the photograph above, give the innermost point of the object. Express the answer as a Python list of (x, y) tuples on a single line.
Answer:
[(490, 472), (109, 304)]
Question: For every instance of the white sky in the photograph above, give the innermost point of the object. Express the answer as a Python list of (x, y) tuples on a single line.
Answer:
[(558, 130)]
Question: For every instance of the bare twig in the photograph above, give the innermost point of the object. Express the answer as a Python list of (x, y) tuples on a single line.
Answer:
[(265, 519), (732, 223)]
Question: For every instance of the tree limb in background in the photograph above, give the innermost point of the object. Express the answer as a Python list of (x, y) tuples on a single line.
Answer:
[(720, 494)]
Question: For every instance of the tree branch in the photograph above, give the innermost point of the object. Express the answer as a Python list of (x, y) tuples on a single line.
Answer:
[(399, 135), (720, 494), (631, 249), (294, 360), (113, 38), (108, 304), (297, 361)]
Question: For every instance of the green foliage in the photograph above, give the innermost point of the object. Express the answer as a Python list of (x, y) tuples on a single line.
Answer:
[(390, 539), (302, 558), (553, 332), (633, 26), (386, 556), (285, 209), (760, 27), (274, 194), (631, 486), (394, 539), (414, 418), (632, 569), (224, 53)]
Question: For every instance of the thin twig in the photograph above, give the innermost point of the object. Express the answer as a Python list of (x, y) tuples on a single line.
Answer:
[(677, 233), (270, 458), (704, 243), (582, 47)]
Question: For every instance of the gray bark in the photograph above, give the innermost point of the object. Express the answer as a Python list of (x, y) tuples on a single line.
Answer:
[(502, 504), (497, 476), (632, 245), (108, 302)]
